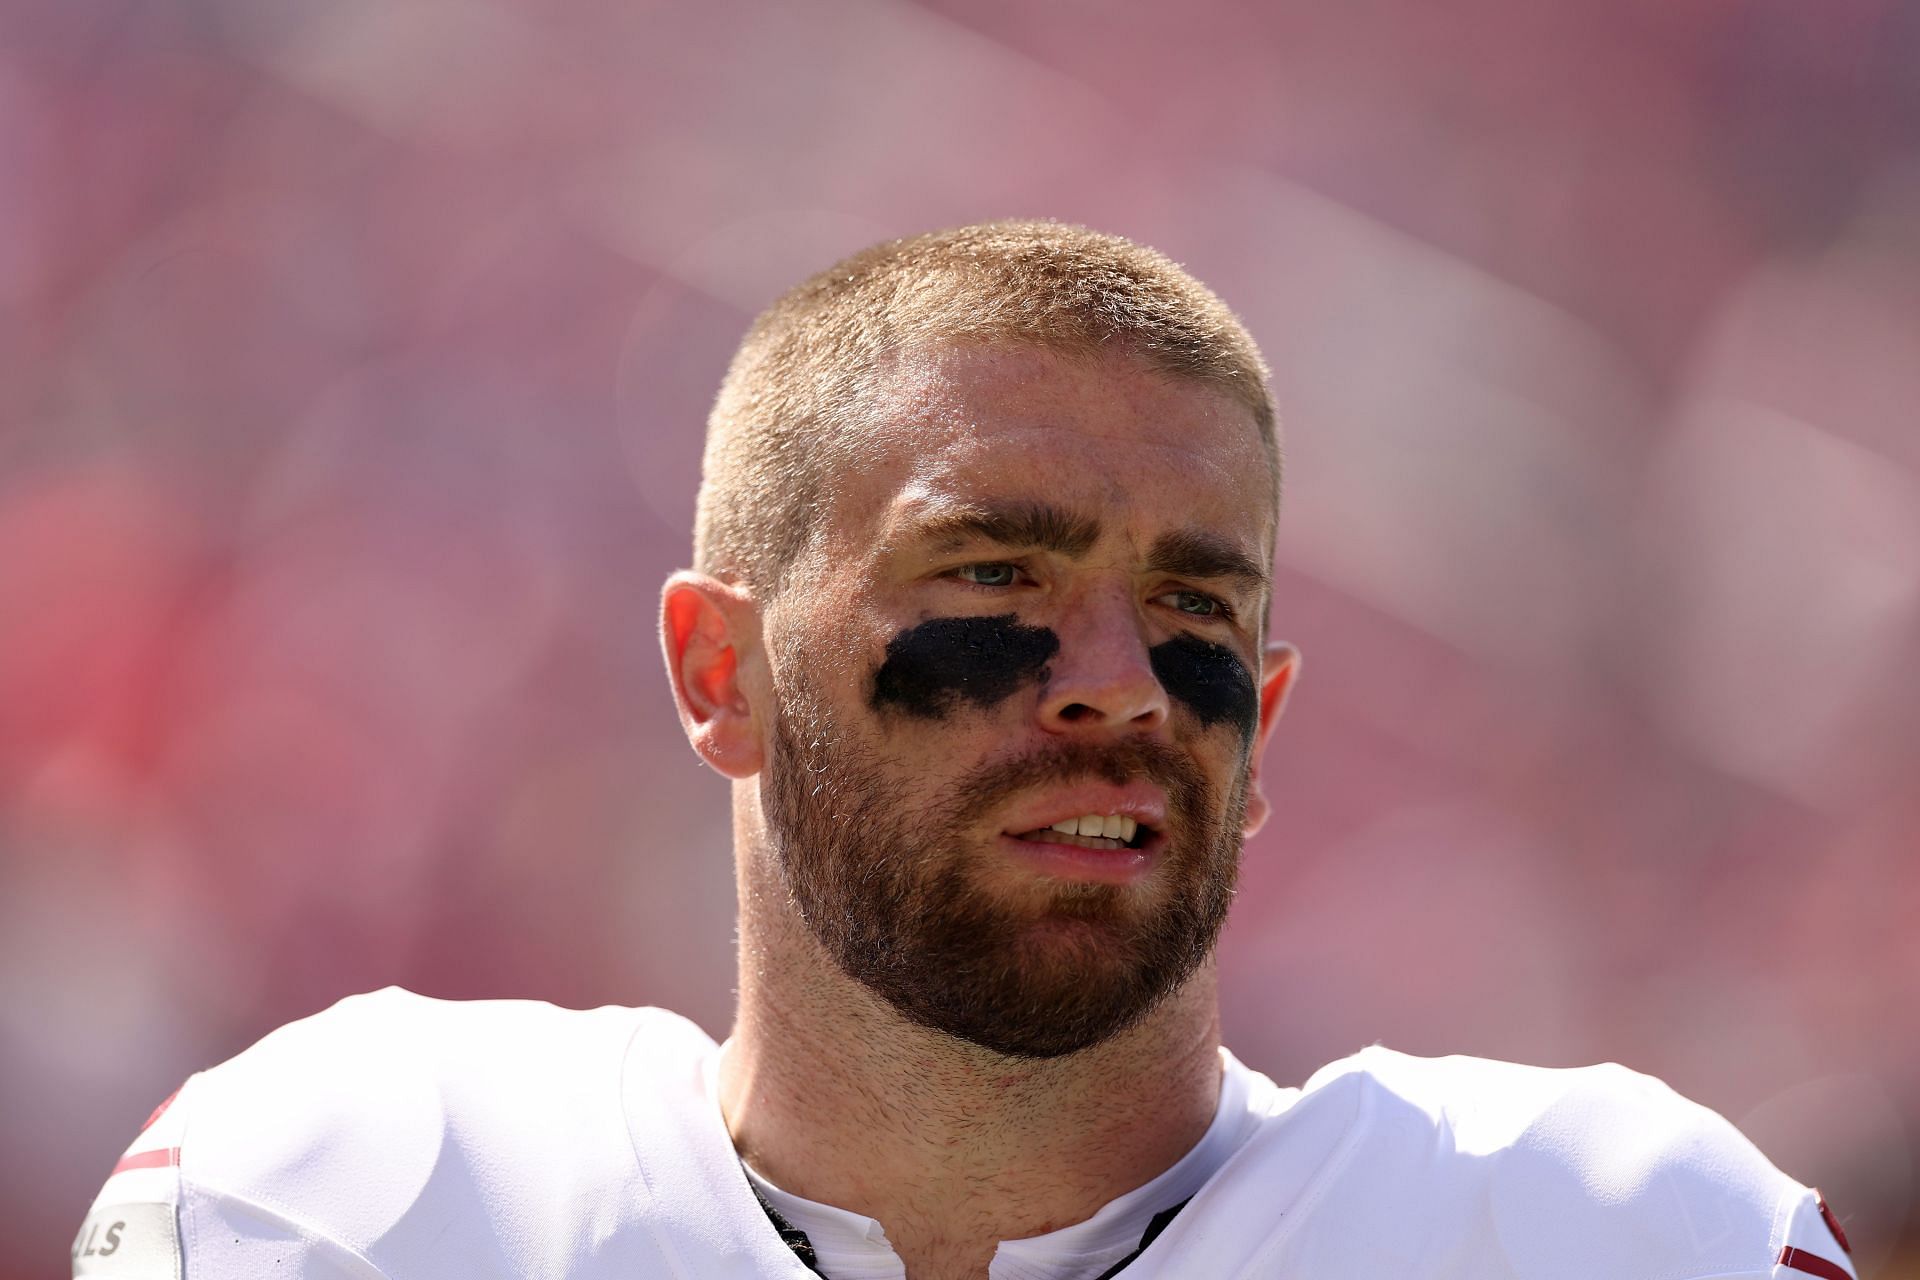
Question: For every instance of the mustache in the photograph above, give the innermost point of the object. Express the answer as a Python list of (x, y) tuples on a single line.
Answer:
[(1116, 762)]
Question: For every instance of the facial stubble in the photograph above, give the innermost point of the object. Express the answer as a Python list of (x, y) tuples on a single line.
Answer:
[(882, 876)]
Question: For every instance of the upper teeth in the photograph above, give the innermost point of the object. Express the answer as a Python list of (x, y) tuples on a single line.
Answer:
[(1112, 825)]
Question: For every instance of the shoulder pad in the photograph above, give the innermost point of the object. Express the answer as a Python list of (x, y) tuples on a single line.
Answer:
[(1590, 1171)]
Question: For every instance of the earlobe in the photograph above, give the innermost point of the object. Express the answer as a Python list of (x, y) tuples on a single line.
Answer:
[(1279, 667), (705, 626)]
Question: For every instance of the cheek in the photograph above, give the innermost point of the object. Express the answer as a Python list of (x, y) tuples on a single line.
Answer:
[(931, 669), (1209, 680)]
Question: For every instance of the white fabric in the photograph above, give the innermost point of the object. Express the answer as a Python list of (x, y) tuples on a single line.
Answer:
[(846, 1245), (852, 1246), (399, 1138)]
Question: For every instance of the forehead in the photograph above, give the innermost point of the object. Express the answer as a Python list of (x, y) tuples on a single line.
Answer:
[(1108, 436)]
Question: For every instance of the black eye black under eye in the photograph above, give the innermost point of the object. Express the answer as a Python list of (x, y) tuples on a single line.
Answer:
[(1209, 678), (931, 668)]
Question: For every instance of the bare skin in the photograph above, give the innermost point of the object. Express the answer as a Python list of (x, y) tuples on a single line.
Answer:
[(951, 1148), (826, 1089)]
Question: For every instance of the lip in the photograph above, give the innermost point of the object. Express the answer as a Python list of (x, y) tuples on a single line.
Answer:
[(1086, 866), (1145, 803)]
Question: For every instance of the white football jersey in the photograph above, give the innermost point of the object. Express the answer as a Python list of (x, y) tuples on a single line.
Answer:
[(395, 1137)]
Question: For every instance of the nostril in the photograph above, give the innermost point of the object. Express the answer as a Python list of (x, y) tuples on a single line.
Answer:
[(1076, 711)]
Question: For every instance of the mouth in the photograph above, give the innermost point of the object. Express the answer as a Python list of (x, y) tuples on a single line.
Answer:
[(1110, 831), (1095, 832)]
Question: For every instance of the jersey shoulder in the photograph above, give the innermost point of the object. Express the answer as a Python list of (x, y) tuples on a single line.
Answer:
[(370, 1132), (1598, 1170)]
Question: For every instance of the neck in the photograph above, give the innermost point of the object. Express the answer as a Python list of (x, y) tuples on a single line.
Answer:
[(834, 1097)]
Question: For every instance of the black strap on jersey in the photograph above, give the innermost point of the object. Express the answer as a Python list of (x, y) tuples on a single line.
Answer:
[(1155, 1225), (796, 1239)]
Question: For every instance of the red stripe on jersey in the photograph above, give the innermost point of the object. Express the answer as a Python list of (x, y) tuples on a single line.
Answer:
[(1833, 1223), (168, 1101), (1812, 1263), (158, 1158)]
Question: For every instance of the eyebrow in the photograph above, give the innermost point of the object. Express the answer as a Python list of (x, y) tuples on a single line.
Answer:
[(1195, 553), (1013, 524)]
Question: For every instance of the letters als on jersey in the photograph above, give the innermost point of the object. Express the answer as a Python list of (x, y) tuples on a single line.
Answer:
[(128, 1242)]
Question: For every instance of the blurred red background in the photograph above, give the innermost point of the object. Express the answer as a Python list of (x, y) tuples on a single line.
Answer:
[(353, 364)]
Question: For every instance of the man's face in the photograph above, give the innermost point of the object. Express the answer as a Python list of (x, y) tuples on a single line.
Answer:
[(1035, 602)]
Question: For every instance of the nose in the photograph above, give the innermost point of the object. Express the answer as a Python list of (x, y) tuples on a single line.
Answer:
[(1101, 679)]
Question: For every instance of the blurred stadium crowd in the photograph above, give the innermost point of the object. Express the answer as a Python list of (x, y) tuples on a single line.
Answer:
[(353, 361)]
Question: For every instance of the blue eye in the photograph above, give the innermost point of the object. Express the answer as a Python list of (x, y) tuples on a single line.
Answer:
[(1200, 606), (995, 573)]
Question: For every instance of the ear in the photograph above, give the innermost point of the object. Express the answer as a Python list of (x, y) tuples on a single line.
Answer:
[(706, 626), (1278, 667)]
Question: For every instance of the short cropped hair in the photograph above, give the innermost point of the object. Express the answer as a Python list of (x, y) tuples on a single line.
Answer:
[(794, 400)]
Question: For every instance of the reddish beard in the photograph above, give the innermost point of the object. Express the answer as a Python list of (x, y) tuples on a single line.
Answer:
[(896, 902)]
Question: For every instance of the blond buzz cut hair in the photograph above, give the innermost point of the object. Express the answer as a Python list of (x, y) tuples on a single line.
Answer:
[(800, 391)]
